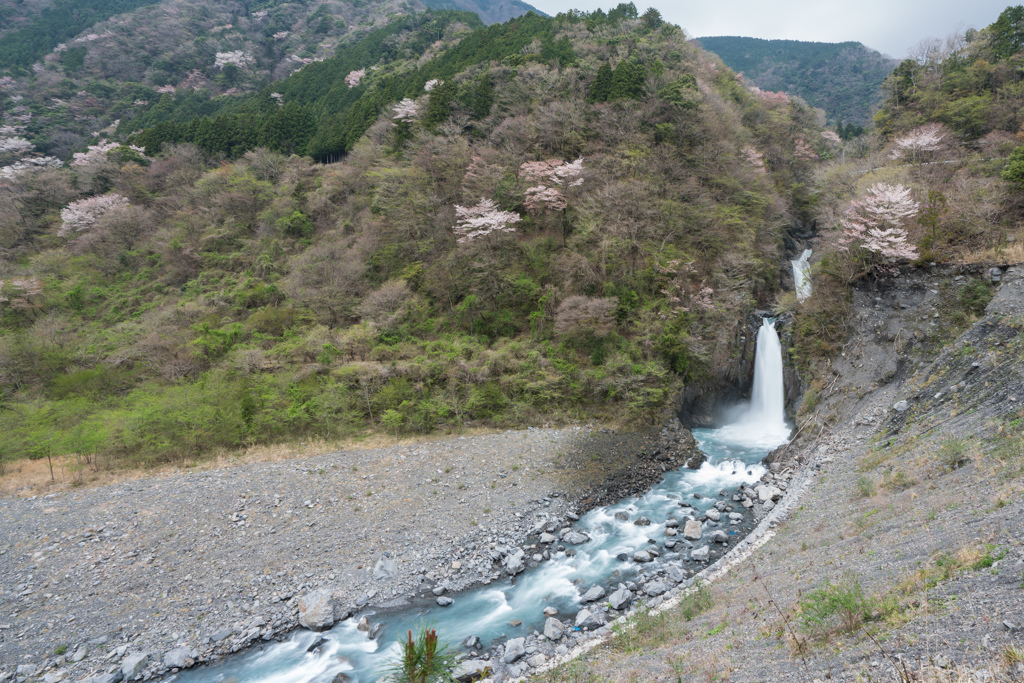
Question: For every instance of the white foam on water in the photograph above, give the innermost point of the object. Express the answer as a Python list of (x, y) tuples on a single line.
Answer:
[(802, 275)]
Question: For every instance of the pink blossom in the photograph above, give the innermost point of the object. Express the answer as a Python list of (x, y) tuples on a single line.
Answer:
[(770, 98), (18, 291), (82, 214), (481, 220), (432, 83), (406, 110), (832, 136), (926, 138), (754, 158), (353, 78), (559, 174), (875, 222), (804, 152)]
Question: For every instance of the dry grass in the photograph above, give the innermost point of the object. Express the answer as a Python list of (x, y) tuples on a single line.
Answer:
[(32, 477), (1007, 255)]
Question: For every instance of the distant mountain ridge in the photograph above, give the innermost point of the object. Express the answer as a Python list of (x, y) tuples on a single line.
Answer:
[(489, 11), (844, 79)]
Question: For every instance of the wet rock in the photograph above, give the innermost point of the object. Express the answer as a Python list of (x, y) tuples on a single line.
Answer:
[(514, 563), (622, 516), (552, 629), (671, 523), (317, 642), (444, 601), (363, 625), (115, 677), (670, 532), (700, 554), (593, 595), (675, 574), (692, 530), (641, 556), (620, 599), (642, 521), (133, 665), (766, 493), (550, 611), (720, 537), (472, 642), (655, 588), (316, 610), (548, 538), (514, 649), (575, 538), (714, 515), (341, 678)]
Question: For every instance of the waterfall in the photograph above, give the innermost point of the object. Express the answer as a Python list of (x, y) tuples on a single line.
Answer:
[(763, 423), (802, 275)]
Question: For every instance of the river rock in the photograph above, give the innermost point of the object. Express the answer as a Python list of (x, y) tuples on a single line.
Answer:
[(641, 556), (593, 595), (552, 629), (700, 554), (444, 601), (133, 665), (317, 642), (548, 538), (642, 521), (622, 516), (620, 599), (692, 530), (472, 642), (363, 625), (550, 611), (670, 532), (766, 493), (471, 670), (514, 562), (588, 620), (316, 610), (675, 574), (735, 516), (655, 588), (671, 523), (720, 537), (714, 515), (514, 649), (178, 658), (575, 538), (385, 569), (115, 677)]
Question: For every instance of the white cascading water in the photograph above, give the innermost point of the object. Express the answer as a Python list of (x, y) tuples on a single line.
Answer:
[(802, 275), (763, 423), (503, 609)]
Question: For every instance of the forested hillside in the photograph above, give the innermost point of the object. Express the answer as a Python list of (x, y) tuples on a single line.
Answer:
[(553, 218), (844, 79)]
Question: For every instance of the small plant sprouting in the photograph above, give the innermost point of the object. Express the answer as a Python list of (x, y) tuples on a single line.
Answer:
[(487, 511), (61, 649), (447, 470), (865, 487)]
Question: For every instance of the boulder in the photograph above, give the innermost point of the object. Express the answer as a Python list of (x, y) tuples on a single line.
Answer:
[(675, 574), (575, 538), (81, 652), (671, 523), (670, 532), (641, 556), (900, 406), (714, 515), (363, 625), (548, 538), (622, 516), (588, 620), (220, 635), (178, 658), (766, 493), (550, 611), (444, 601), (514, 564), (514, 649), (700, 554), (133, 665), (620, 599), (553, 629), (385, 569), (471, 670), (472, 642), (692, 530), (654, 588), (316, 610), (593, 595), (115, 677), (720, 537), (642, 521)]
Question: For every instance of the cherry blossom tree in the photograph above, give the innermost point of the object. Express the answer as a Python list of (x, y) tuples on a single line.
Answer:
[(874, 222), (754, 158), (770, 98), (353, 78), (83, 214), (18, 292), (832, 136), (15, 145), (803, 151), (406, 111), (237, 57), (926, 138), (433, 83), (483, 219), (555, 178)]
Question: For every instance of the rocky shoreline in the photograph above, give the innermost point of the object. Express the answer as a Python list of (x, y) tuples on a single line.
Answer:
[(141, 579)]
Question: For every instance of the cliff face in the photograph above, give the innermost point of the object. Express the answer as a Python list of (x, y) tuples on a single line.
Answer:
[(913, 439)]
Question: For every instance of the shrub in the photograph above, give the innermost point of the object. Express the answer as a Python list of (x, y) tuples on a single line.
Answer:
[(425, 659), (839, 607), (385, 306), (586, 315)]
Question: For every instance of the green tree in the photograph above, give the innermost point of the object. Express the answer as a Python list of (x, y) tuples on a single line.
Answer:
[(627, 81), (1007, 33), (439, 107), (652, 18), (602, 86), (1013, 172), (483, 97)]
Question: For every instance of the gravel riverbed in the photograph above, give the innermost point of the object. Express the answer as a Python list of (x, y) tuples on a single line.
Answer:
[(188, 567)]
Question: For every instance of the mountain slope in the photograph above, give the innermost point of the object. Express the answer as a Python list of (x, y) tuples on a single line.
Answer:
[(844, 79)]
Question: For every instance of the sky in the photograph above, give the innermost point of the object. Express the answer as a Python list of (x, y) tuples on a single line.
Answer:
[(889, 26)]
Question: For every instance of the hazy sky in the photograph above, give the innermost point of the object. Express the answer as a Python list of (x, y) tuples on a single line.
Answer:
[(890, 26)]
